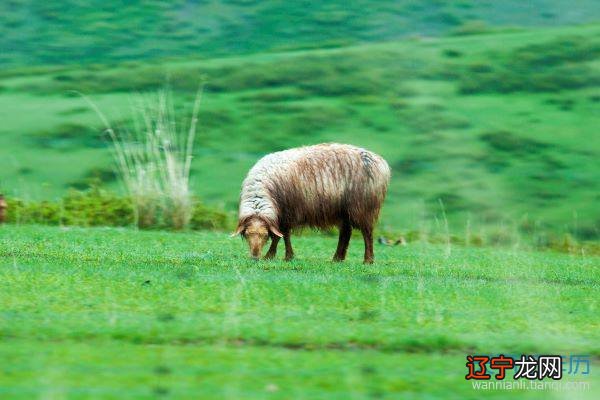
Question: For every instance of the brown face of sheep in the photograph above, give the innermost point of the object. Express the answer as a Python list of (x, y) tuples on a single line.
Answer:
[(3, 206), (256, 232)]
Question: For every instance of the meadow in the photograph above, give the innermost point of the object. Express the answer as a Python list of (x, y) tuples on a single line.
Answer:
[(119, 313)]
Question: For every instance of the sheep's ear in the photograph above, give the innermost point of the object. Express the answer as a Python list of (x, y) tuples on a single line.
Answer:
[(275, 231), (238, 230)]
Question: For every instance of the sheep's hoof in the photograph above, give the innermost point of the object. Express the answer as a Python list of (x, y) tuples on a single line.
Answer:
[(368, 261), (269, 256), (337, 258), (289, 258)]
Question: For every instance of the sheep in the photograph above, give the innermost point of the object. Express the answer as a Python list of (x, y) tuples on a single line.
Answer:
[(3, 207), (318, 186)]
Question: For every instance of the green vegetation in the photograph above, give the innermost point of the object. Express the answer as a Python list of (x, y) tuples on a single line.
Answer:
[(487, 112), (99, 207), (118, 313), (496, 130), (154, 162), (95, 207), (75, 31), (561, 64)]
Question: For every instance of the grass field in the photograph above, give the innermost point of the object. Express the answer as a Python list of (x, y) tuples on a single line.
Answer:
[(117, 313)]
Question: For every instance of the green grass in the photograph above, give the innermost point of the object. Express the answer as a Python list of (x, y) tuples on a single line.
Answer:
[(487, 113), (120, 313), (502, 128)]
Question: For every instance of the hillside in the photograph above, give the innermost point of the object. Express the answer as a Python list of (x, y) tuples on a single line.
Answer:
[(497, 129), (77, 31)]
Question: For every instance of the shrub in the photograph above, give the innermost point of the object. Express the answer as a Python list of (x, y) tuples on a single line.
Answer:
[(207, 218), (556, 52), (452, 53), (96, 207), (587, 232), (546, 67), (44, 212), (509, 142), (68, 135), (99, 207)]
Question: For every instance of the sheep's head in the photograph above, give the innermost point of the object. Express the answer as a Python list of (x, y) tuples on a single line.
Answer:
[(256, 232)]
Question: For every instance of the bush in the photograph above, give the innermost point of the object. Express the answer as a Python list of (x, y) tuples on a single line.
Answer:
[(21, 212), (68, 135), (556, 52), (98, 207), (506, 141), (451, 53), (547, 67), (208, 218)]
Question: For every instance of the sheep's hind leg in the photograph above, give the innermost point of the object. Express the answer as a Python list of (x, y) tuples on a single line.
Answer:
[(273, 249), (367, 233), (289, 252), (344, 240)]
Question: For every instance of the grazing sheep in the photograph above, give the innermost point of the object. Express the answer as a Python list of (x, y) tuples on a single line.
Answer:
[(317, 186), (3, 207)]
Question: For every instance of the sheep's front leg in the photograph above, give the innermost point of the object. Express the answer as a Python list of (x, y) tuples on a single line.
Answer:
[(368, 237), (273, 249), (289, 252)]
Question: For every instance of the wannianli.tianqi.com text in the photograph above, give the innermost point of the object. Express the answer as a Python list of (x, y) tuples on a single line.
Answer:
[(575, 386)]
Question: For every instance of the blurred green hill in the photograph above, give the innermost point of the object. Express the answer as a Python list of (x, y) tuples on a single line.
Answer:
[(77, 31), (497, 129)]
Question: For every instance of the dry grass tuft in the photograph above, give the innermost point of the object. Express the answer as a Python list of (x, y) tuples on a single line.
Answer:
[(154, 161)]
